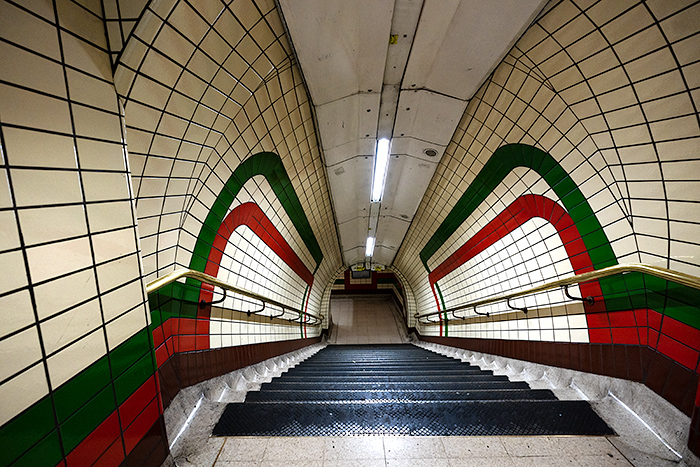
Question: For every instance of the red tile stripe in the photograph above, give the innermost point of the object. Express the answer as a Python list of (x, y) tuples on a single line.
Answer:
[(104, 445), (517, 213), (195, 334), (250, 215)]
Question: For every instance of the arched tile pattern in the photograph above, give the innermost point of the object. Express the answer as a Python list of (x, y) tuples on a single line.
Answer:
[(201, 87), (609, 91)]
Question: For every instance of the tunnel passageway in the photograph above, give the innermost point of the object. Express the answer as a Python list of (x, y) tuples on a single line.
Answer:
[(365, 320)]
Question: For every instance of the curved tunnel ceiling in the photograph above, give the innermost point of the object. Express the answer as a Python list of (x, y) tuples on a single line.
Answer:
[(400, 69)]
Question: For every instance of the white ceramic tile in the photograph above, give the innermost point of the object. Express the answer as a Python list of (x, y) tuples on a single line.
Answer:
[(19, 351), (66, 327), (59, 294), (55, 259), (107, 216), (16, 311), (52, 223), (105, 186), (39, 149), (85, 56), (9, 236), (33, 110), (91, 91), (100, 155), (22, 391), (113, 244), (14, 272), (124, 298), (45, 187), (82, 22), (14, 24), (96, 124), (125, 326), (116, 273), (72, 360)]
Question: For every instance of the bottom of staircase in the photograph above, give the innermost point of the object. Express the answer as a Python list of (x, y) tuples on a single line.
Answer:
[(386, 390)]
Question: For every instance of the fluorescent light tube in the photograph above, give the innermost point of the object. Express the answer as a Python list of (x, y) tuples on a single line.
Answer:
[(381, 162), (369, 249)]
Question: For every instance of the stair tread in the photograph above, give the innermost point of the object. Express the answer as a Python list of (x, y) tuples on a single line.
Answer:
[(401, 389)]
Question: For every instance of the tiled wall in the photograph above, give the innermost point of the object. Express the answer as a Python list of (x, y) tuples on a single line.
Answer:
[(581, 151), (77, 374), (208, 144), (227, 173)]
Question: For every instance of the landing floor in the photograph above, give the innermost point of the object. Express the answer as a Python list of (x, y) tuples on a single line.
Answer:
[(424, 451)]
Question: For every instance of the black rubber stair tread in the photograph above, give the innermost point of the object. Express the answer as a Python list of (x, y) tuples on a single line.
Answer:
[(379, 372), (401, 390), (359, 367), (503, 384), (468, 418), (388, 379), (397, 395)]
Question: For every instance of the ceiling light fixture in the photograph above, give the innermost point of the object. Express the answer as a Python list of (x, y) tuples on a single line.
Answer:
[(381, 162), (369, 249)]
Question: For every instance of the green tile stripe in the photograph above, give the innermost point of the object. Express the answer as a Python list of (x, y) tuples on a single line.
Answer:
[(501, 163), (82, 403), (620, 292), (271, 167), (442, 301), (637, 290), (301, 321)]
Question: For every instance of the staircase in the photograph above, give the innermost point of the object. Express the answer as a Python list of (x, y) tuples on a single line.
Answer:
[(401, 390)]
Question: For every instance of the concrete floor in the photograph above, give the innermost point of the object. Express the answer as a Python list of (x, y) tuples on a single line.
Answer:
[(419, 451), (365, 321)]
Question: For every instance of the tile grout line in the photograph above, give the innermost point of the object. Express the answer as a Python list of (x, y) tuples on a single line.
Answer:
[(620, 452), (216, 459)]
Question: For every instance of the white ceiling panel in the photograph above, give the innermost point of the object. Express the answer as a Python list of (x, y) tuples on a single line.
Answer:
[(403, 26), (341, 45), (348, 119), (428, 116), (354, 256), (407, 180), (390, 234), (353, 235), (382, 257), (458, 43), (354, 148), (350, 188), (403, 69), (416, 148)]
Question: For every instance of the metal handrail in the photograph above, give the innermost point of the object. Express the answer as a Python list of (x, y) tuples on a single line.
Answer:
[(308, 318), (663, 273)]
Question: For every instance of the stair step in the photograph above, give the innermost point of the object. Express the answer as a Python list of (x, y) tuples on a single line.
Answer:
[(468, 418), (413, 386), (274, 395), (389, 378), (401, 390), (330, 373)]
